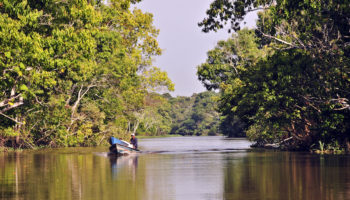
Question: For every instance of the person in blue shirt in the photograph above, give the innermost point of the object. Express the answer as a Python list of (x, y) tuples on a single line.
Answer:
[(133, 141)]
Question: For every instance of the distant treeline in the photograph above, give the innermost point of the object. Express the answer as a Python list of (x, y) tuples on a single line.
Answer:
[(194, 115), (198, 115)]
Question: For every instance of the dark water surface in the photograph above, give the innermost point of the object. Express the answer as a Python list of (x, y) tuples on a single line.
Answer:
[(174, 168)]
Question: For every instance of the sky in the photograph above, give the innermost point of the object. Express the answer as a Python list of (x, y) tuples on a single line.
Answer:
[(183, 43)]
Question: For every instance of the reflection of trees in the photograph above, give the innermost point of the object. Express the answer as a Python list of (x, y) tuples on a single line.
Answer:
[(283, 175), (122, 163), (78, 175), (9, 176), (61, 175)]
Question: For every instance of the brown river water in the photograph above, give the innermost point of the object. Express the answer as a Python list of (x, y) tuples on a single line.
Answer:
[(202, 168)]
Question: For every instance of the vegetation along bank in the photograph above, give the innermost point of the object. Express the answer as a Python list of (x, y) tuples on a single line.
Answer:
[(287, 80)]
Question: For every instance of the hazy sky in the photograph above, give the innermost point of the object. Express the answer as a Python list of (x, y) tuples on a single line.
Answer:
[(184, 45)]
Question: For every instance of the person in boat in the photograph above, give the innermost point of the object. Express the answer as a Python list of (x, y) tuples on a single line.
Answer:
[(133, 141)]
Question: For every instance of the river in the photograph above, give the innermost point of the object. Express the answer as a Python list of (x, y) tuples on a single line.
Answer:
[(202, 168)]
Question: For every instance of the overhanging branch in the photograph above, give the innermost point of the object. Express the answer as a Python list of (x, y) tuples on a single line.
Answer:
[(8, 117)]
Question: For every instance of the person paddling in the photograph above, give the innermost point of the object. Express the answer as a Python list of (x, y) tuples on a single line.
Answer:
[(133, 141)]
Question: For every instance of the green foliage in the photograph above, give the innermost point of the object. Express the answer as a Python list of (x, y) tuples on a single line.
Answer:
[(226, 69), (74, 72), (195, 115), (163, 114), (9, 132), (296, 94)]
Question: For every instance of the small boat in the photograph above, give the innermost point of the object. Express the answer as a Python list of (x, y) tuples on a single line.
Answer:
[(120, 147)]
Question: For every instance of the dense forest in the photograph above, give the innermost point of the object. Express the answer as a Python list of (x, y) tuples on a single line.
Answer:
[(75, 72), (288, 79)]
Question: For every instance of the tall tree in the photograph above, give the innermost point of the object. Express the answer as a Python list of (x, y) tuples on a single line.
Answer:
[(298, 92), (73, 72)]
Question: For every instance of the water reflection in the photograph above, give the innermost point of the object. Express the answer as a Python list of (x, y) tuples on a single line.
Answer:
[(120, 163), (200, 173), (72, 174), (283, 175)]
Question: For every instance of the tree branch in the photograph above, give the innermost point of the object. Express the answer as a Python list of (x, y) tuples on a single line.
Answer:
[(343, 102), (14, 105), (10, 118), (5, 102), (275, 38)]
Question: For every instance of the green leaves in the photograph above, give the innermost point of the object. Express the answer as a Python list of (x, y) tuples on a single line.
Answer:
[(195, 115), (23, 87), (156, 80), (9, 132), (8, 54), (81, 66), (292, 91)]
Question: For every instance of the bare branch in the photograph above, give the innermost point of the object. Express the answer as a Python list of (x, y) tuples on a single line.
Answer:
[(81, 94), (37, 100), (8, 117), (344, 102), (71, 94), (299, 41), (258, 8), (13, 105), (308, 101), (5, 102), (279, 40)]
